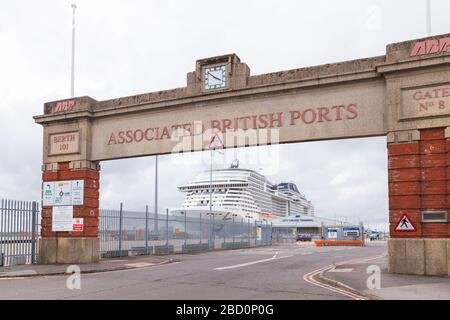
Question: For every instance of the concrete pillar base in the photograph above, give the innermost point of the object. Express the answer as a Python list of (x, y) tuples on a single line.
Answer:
[(420, 256), (68, 250)]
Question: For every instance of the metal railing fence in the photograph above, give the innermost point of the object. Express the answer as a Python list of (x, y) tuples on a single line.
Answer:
[(19, 229), (124, 233)]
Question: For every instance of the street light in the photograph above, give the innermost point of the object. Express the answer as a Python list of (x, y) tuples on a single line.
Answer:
[(215, 143), (156, 195), (210, 183)]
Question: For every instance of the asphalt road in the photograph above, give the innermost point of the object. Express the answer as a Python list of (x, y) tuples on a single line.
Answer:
[(274, 272)]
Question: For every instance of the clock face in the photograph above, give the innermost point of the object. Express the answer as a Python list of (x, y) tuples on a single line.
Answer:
[(215, 77)]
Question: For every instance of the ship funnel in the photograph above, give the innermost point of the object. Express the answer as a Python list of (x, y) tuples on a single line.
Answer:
[(235, 164)]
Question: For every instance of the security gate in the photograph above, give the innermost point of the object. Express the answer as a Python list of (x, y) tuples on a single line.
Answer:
[(19, 228)]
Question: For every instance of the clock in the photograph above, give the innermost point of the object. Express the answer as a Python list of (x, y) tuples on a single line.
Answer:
[(215, 77)]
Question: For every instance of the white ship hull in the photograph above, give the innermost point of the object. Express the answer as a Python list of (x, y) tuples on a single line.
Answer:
[(241, 194), (217, 213)]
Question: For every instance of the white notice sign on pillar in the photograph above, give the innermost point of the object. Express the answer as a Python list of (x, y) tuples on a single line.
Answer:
[(78, 224), (48, 194), (63, 193), (62, 218), (77, 192)]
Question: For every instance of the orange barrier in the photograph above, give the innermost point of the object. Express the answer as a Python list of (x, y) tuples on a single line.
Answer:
[(322, 243)]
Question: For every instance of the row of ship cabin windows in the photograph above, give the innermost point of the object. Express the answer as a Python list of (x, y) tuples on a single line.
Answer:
[(229, 205), (213, 190)]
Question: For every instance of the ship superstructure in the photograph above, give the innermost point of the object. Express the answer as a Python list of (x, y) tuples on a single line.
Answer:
[(236, 193)]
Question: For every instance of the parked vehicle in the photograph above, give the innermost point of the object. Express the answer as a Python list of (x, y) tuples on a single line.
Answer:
[(304, 237), (374, 236)]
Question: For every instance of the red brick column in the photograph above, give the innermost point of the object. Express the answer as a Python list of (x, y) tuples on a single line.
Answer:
[(434, 190), (447, 145), (79, 246), (89, 211), (419, 180), (404, 185)]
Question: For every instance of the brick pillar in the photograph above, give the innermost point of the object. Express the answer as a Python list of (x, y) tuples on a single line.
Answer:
[(404, 185), (72, 247), (433, 152), (419, 180)]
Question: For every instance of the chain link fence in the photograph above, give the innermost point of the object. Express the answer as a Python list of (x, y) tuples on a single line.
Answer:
[(124, 233)]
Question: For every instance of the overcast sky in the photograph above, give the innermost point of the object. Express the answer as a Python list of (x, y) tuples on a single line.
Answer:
[(131, 47)]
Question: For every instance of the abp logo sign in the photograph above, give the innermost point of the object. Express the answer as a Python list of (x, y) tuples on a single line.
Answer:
[(64, 106), (430, 46)]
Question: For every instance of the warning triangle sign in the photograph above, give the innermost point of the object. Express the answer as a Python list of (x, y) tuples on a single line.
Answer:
[(216, 143), (405, 224)]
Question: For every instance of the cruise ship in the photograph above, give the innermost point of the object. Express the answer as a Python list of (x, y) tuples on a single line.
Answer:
[(234, 193)]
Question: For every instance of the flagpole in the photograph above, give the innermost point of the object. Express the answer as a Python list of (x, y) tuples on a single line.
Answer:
[(428, 17), (72, 82)]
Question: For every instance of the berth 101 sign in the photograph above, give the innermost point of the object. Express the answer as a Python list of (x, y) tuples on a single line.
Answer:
[(63, 193)]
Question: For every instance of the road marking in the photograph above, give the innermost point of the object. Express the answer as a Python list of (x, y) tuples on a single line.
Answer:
[(309, 277), (275, 257)]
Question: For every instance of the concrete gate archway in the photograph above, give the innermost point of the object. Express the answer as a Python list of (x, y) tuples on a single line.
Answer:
[(404, 95)]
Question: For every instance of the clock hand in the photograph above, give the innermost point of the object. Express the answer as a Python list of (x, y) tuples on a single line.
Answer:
[(214, 77)]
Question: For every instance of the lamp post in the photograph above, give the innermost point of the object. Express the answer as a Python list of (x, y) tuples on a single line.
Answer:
[(215, 143), (156, 195), (72, 76), (210, 201), (210, 183)]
